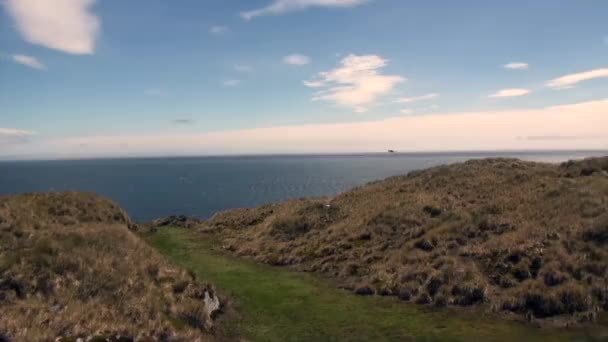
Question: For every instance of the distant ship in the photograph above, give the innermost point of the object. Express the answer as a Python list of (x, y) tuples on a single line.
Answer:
[(391, 151)]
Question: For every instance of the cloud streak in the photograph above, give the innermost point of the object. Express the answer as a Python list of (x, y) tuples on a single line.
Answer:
[(232, 83), (517, 66), (12, 136), (64, 25), (357, 82), (570, 81), (418, 98), (296, 59), (29, 61), (278, 7), (243, 68), (218, 30), (515, 92), (182, 121)]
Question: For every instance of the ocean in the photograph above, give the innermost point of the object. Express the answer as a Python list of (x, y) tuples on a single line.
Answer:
[(149, 188)]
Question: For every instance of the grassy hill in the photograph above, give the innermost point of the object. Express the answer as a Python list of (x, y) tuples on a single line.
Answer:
[(523, 239), (70, 267)]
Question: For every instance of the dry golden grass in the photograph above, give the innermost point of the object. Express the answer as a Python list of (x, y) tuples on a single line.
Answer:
[(70, 267), (523, 238)]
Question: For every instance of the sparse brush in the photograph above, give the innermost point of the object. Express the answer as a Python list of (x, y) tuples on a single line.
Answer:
[(76, 269), (513, 235)]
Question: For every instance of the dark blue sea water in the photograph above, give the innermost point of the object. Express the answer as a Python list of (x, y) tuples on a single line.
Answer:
[(151, 188)]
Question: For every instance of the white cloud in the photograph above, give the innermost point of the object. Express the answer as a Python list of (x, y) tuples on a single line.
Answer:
[(570, 81), (406, 111), (283, 6), (65, 25), (418, 98), (29, 61), (232, 83), (459, 131), (511, 92), (243, 68), (357, 82), (11, 135), (517, 66), (218, 30), (314, 84), (296, 59)]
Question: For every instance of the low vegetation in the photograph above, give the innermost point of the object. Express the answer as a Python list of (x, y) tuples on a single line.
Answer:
[(519, 238), (276, 304), (70, 267)]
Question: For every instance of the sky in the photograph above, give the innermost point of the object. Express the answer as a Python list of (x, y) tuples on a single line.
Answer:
[(115, 78)]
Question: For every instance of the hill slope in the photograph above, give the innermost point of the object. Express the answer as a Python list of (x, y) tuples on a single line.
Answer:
[(70, 267), (516, 237)]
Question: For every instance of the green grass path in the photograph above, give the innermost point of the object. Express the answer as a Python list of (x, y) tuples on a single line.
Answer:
[(276, 304)]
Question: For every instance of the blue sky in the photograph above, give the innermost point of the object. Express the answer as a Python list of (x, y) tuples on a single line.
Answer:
[(78, 74)]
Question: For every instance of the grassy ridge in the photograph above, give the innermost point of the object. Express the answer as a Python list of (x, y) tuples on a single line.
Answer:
[(274, 304), (520, 238), (70, 268)]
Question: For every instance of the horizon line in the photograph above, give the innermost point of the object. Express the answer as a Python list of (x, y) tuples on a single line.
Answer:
[(311, 154)]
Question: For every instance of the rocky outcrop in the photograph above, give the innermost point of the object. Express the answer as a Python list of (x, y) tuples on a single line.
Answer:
[(180, 221)]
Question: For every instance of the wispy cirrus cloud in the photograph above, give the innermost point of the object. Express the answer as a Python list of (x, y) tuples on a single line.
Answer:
[(29, 61), (244, 68), (517, 66), (12, 136), (514, 92), (571, 80), (357, 82), (296, 59), (426, 97), (231, 83), (218, 30), (182, 121), (560, 137), (283, 6), (65, 25)]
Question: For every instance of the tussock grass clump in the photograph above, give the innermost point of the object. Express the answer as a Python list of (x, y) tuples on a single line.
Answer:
[(522, 237), (70, 267)]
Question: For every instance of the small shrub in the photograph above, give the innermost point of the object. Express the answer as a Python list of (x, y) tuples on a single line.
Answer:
[(180, 286), (521, 273), (432, 211), (554, 278), (441, 301), (466, 295), (424, 245), (385, 291), (574, 299), (193, 313), (423, 299), (599, 232), (535, 266), (542, 305), (598, 269), (289, 228), (364, 290), (433, 286), (405, 294)]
